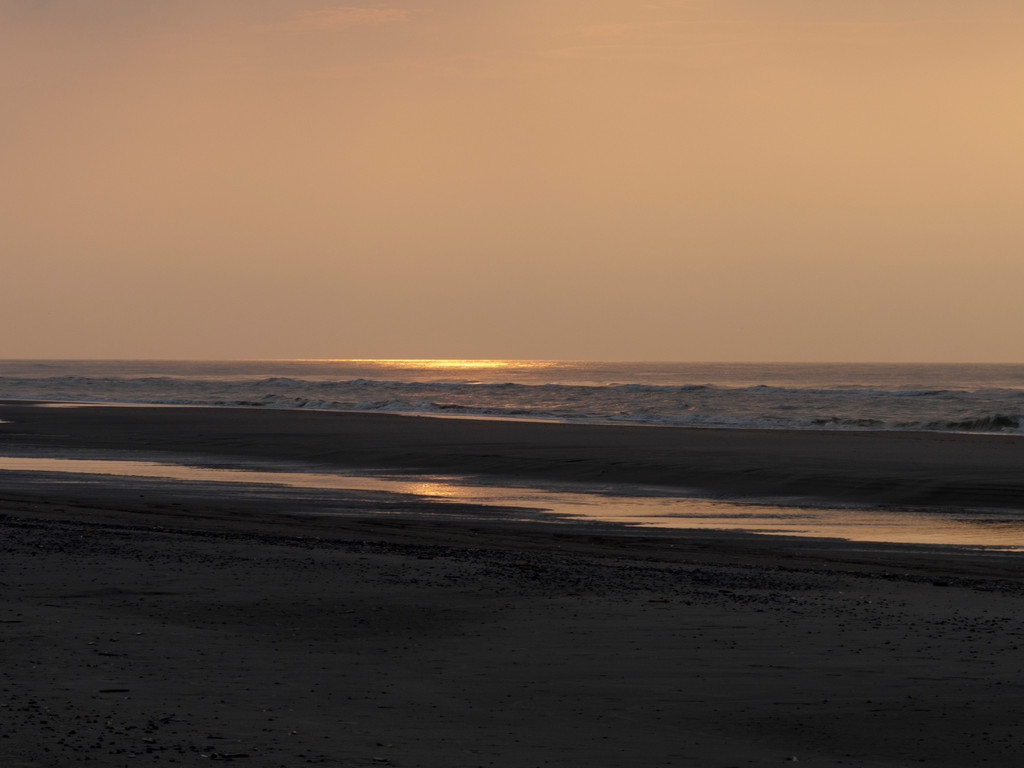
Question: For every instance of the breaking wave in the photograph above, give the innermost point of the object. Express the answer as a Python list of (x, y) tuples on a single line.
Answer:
[(997, 422), (791, 398)]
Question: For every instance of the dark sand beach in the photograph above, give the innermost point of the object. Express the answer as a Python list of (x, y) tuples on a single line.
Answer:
[(147, 621), (889, 468)]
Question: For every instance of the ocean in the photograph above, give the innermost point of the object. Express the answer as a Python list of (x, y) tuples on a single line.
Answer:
[(986, 398)]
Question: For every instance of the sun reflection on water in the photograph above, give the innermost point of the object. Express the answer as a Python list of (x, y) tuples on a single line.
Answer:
[(453, 364)]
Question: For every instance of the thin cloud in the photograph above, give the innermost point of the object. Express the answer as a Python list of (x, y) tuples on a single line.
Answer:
[(335, 18)]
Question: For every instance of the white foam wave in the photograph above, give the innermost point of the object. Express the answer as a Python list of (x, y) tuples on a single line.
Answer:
[(819, 405)]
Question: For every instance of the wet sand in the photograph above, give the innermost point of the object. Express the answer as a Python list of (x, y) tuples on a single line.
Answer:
[(151, 621), (887, 468)]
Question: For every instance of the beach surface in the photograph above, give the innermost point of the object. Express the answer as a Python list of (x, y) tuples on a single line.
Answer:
[(146, 621), (887, 468)]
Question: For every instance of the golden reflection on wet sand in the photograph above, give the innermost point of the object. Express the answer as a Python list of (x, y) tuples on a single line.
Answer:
[(1002, 530)]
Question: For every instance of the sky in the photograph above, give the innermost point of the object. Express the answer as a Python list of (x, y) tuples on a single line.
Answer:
[(793, 180)]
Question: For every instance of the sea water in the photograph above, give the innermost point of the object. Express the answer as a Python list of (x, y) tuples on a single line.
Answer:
[(940, 397)]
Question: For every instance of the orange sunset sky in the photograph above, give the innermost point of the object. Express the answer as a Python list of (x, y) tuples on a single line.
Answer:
[(585, 179)]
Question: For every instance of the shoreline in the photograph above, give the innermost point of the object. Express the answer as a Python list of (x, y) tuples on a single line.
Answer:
[(490, 453), (500, 419), (898, 469)]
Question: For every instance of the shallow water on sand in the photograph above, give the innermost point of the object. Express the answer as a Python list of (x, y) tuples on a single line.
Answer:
[(629, 505)]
